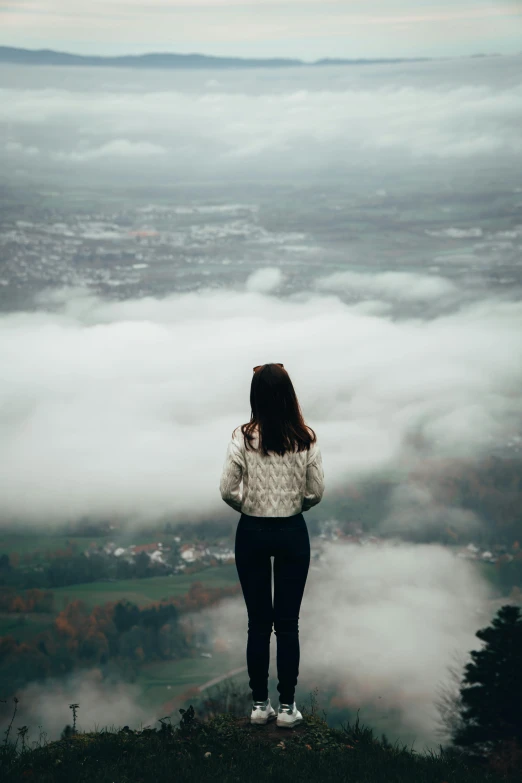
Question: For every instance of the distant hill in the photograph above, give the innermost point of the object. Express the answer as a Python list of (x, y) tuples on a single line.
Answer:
[(9, 54)]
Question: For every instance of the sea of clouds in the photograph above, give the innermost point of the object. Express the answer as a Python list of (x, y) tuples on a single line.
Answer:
[(125, 408), (258, 124)]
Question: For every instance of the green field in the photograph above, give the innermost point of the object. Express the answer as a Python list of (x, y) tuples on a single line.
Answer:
[(25, 625), (154, 679), (160, 682), (145, 591)]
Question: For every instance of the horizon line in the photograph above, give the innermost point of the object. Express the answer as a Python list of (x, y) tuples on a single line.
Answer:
[(282, 58)]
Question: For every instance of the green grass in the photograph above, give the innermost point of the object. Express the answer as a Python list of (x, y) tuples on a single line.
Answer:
[(145, 591), (154, 678), (227, 748), (139, 591)]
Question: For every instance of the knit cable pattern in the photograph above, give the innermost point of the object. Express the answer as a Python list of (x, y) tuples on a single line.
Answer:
[(273, 485)]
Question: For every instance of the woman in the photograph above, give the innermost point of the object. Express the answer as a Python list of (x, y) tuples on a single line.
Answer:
[(277, 457)]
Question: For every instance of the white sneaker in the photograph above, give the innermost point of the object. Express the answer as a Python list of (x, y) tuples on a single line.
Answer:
[(288, 715), (262, 712)]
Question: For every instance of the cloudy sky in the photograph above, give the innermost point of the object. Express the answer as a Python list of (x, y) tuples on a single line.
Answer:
[(307, 29)]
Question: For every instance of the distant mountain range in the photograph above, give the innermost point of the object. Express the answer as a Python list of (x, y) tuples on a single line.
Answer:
[(9, 54)]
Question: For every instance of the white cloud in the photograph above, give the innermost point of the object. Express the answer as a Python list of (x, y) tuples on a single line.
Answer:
[(126, 407), (400, 612), (264, 280), (456, 233), (285, 124), (119, 148), (17, 148), (379, 626), (401, 286), (47, 705)]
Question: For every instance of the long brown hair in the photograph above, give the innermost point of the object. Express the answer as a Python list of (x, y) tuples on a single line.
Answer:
[(276, 412)]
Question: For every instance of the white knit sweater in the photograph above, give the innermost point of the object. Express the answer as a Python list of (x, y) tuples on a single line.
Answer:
[(273, 486)]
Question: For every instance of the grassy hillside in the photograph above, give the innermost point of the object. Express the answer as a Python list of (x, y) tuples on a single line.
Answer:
[(229, 749)]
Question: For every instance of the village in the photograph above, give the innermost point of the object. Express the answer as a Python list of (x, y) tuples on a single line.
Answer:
[(177, 557)]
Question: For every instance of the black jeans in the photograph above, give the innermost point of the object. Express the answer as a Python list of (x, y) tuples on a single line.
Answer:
[(287, 539)]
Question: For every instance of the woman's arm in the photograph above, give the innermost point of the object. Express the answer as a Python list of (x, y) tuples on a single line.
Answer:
[(314, 479), (232, 474)]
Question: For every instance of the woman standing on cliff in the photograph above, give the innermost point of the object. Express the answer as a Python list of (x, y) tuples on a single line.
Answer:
[(277, 458)]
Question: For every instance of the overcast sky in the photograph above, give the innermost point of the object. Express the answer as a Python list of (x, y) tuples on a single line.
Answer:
[(306, 29)]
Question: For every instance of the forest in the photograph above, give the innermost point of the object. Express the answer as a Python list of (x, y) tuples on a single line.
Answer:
[(113, 635)]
